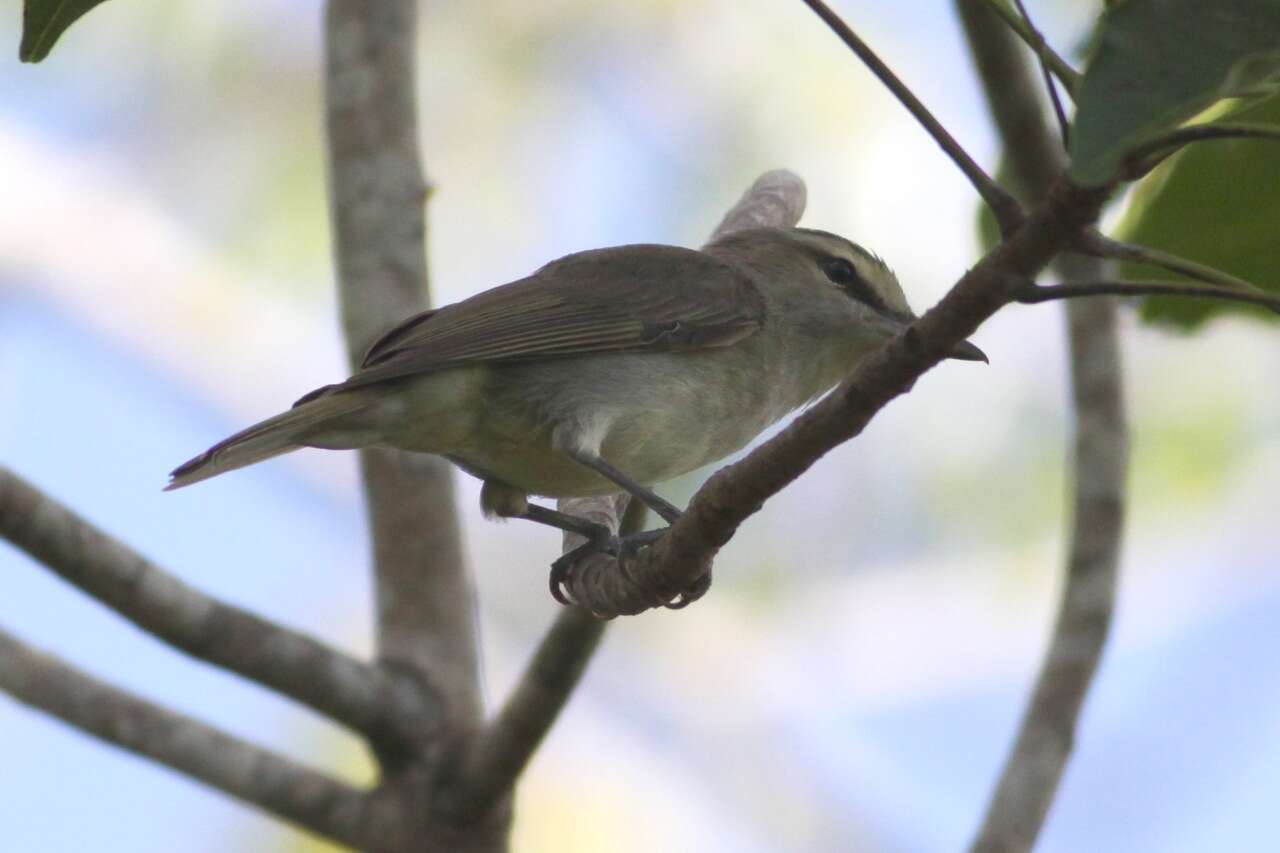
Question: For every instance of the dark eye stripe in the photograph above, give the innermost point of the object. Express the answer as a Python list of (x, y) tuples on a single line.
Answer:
[(845, 276)]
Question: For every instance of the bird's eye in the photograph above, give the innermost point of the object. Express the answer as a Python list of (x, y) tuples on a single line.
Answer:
[(845, 275), (840, 271)]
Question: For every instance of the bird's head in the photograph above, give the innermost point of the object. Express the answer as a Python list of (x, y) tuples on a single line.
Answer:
[(827, 285)]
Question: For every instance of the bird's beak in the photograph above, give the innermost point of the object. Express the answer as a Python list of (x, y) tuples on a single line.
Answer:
[(965, 351)]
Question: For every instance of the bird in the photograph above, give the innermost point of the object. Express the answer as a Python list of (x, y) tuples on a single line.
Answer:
[(606, 370)]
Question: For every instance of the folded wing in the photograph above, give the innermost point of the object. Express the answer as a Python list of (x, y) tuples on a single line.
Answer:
[(624, 299)]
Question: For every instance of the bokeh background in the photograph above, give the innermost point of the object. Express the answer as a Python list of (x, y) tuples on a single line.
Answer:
[(854, 679)]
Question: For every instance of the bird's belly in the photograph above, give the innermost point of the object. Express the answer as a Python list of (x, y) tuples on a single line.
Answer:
[(638, 443), (654, 430)]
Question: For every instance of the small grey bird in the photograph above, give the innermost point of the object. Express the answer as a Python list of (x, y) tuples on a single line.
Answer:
[(606, 370)]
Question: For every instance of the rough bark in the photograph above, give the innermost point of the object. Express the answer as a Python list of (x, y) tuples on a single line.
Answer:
[(425, 619)]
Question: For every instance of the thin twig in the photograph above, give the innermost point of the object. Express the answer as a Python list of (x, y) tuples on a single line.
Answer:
[(1021, 26), (1042, 50), (1141, 160), (246, 771), (1095, 244), (1029, 779), (1077, 289), (1006, 210), (425, 618), (351, 692)]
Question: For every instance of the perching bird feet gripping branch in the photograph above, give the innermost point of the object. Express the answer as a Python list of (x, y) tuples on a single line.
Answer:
[(622, 581)]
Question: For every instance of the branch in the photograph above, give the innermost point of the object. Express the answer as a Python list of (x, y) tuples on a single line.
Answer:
[(1008, 213), (1095, 244), (248, 772), (1075, 289), (1144, 158), (1041, 49), (1046, 736), (1021, 26), (503, 749), (736, 492), (346, 690), (425, 620), (1030, 777)]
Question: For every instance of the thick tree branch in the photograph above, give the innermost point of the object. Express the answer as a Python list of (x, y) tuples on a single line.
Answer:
[(248, 772), (425, 613), (1006, 210), (1033, 770), (342, 688)]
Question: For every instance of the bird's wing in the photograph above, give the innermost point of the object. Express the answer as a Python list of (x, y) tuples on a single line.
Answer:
[(631, 298)]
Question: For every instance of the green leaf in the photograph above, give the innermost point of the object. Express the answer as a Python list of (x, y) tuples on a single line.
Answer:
[(44, 21), (1217, 203), (1161, 62)]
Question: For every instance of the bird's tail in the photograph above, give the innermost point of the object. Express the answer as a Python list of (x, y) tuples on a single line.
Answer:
[(272, 437)]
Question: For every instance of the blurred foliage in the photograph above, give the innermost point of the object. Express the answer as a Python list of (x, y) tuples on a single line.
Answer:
[(44, 21), (1179, 461), (988, 230), (1160, 62), (1217, 203)]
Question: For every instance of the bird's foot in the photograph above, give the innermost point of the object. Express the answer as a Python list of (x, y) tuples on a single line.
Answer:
[(624, 550)]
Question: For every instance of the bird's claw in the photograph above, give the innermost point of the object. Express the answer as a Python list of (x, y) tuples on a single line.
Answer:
[(691, 593), (623, 549)]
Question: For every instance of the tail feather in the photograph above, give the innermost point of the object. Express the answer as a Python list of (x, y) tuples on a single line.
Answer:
[(280, 434)]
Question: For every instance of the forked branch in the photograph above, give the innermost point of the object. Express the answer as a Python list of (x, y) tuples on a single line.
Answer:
[(246, 771), (360, 696)]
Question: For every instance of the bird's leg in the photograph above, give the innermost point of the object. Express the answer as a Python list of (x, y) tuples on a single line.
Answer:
[(596, 534), (499, 499), (617, 476)]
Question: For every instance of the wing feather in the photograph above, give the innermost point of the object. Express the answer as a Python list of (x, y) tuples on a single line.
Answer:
[(626, 299)]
